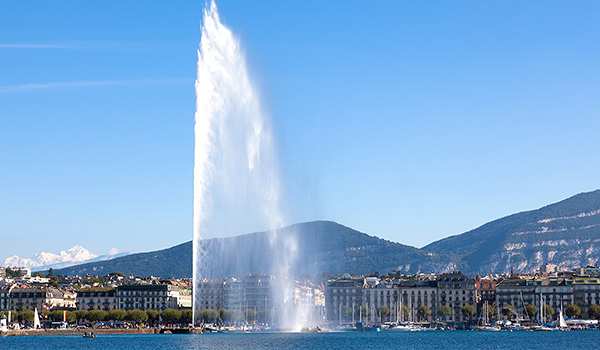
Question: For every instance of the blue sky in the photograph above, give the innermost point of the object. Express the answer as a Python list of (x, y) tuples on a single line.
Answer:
[(411, 121)]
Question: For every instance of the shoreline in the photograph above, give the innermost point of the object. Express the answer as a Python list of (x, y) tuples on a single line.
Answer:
[(99, 331)]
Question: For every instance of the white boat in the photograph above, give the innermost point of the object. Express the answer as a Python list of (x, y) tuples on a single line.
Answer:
[(515, 327), (403, 328), (561, 323)]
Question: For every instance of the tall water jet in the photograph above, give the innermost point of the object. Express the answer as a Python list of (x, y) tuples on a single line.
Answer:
[(236, 181)]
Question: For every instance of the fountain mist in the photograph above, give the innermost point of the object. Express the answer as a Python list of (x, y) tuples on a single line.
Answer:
[(236, 181)]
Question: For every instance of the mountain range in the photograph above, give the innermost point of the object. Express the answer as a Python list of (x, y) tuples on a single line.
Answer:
[(566, 233), (76, 255), (323, 246)]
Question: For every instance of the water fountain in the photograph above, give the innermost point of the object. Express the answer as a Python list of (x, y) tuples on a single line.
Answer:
[(236, 181)]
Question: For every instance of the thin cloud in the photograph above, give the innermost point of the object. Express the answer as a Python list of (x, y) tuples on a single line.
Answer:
[(80, 45), (35, 46), (84, 84)]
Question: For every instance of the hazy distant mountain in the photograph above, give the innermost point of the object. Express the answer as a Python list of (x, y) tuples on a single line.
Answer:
[(43, 261), (323, 246), (566, 233)]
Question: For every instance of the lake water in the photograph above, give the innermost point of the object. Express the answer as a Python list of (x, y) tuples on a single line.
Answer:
[(350, 340)]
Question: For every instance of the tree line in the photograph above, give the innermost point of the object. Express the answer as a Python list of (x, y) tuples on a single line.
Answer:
[(170, 316)]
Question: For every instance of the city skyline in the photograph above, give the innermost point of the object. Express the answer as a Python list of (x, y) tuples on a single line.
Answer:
[(411, 122)]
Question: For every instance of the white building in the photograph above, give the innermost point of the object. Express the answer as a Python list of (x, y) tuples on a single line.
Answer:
[(147, 296)]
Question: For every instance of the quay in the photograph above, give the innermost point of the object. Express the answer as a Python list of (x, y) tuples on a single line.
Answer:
[(101, 331)]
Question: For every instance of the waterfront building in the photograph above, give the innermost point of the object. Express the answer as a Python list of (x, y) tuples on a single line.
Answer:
[(310, 298), (233, 294), (5, 297), (185, 293), (345, 293), (97, 299), (257, 293), (44, 297), (210, 294), (586, 292), (486, 292), (414, 294), (185, 298), (520, 292), (512, 295), (456, 290), (147, 296), (379, 295), (553, 291)]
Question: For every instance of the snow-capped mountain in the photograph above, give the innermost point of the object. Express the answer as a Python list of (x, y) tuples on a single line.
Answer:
[(70, 257)]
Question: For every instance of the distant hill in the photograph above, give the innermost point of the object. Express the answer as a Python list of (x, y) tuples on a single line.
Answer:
[(323, 246), (566, 233)]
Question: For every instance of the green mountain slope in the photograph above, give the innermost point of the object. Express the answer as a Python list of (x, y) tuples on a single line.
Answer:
[(566, 233), (322, 246)]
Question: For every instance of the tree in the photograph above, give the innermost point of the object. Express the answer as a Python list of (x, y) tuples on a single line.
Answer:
[(548, 311), (509, 310), (468, 311), (117, 274), (14, 273), (58, 315), (210, 315), (170, 315), (51, 272), (383, 311), (26, 316), (573, 311), (81, 314), (117, 315), (186, 316), (346, 312), (531, 310), (423, 311), (97, 315), (250, 315), (405, 312), (71, 316), (225, 315), (152, 314), (594, 311), (137, 315), (445, 311), (39, 274)]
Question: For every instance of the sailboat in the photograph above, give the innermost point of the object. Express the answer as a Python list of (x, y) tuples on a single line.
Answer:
[(36, 320), (485, 327), (561, 323), (542, 326)]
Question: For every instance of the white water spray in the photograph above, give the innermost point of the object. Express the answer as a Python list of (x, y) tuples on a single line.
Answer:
[(236, 182)]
